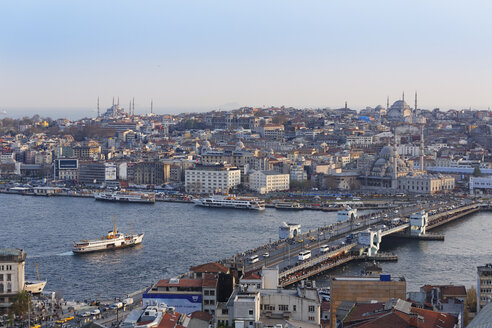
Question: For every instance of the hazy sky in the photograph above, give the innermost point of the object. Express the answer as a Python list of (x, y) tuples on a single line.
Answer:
[(216, 54)]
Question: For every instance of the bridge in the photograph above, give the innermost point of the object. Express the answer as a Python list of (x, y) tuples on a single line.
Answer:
[(344, 247)]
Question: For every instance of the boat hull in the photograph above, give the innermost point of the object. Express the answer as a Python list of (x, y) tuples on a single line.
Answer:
[(123, 200), (34, 287)]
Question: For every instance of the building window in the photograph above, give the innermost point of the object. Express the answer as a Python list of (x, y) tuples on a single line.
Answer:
[(212, 293), (294, 308), (9, 287), (250, 312), (225, 311), (9, 277), (206, 292), (311, 318), (283, 307), (311, 308), (1, 277)]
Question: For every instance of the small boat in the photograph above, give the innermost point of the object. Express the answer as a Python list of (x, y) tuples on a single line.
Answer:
[(35, 286), (288, 206), (231, 201), (113, 240), (126, 197)]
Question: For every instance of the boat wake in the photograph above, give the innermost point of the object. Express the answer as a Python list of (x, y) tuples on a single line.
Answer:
[(66, 253)]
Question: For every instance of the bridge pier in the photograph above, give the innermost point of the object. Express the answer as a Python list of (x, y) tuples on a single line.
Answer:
[(370, 239)]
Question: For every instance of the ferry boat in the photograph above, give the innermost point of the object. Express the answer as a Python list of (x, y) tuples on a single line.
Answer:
[(126, 196), (231, 201), (288, 206), (113, 240)]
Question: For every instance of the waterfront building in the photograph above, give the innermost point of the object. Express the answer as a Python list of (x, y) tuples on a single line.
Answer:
[(92, 173), (151, 173), (209, 179), (297, 173), (484, 286), (268, 181), (426, 184), (364, 289), (66, 169), (12, 262), (481, 184), (185, 295)]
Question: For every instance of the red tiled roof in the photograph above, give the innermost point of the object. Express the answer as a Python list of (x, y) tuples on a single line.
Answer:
[(389, 320), (251, 276), (433, 319), (364, 311), (169, 320), (209, 280), (213, 267), (201, 316), (451, 290)]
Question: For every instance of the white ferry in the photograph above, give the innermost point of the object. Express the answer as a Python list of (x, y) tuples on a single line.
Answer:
[(288, 206), (113, 240), (231, 201), (126, 196)]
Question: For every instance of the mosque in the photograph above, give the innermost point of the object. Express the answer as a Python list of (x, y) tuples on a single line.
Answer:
[(389, 172)]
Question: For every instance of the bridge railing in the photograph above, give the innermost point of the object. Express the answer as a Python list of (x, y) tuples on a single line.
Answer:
[(316, 260)]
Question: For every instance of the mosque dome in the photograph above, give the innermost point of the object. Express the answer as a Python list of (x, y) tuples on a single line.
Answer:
[(387, 153)]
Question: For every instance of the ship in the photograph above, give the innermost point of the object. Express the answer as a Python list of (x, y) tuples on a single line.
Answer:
[(126, 197), (288, 206), (35, 286), (231, 201), (113, 240)]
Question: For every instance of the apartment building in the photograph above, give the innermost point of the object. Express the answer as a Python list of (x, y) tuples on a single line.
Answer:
[(267, 181), (209, 179)]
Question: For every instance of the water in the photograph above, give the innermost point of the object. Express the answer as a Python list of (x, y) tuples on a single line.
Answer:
[(178, 236)]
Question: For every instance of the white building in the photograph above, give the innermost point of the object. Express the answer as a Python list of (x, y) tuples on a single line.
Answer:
[(360, 140), (268, 181), (259, 302), (12, 263), (426, 184), (483, 184), (297, 173), (209, 179)]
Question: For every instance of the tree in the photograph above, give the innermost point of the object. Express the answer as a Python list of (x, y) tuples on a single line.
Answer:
[(471, 299), (477, 172), (20, 303)]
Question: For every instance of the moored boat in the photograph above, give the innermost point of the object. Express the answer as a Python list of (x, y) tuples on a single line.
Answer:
[(126, 197), (288, 206), (35, 286), (231, 201)]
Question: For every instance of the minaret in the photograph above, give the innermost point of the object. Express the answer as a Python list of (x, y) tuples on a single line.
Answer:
[(130, 109), (151, 106), (415, 110), (97, 106), (118, 101), (133, 106), (113, 101), (387, 103), (345, 105), (422, 148), (403, 96), (394, 183)]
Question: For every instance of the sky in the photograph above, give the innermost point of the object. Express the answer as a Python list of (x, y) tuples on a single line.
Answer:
[(59, 56)]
